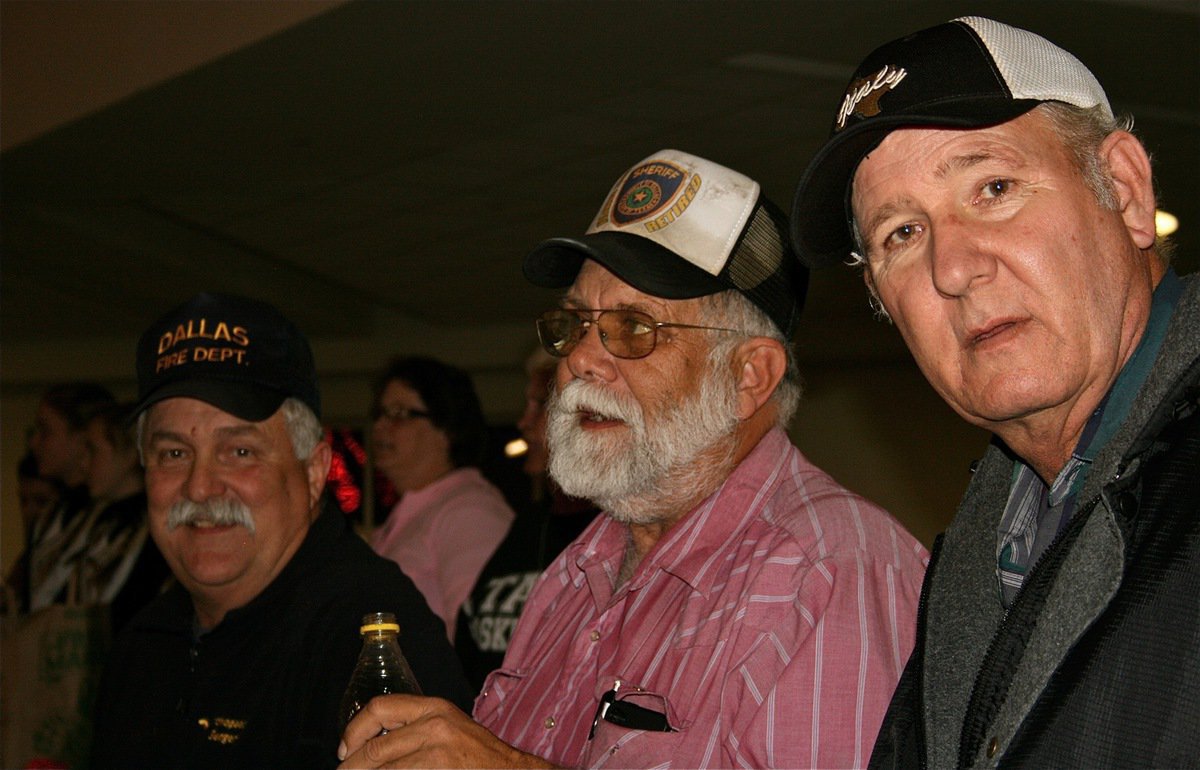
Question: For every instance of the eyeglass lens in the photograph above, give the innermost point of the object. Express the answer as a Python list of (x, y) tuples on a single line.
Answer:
[(624, 333)]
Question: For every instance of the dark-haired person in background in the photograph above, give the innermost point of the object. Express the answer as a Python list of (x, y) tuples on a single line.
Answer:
[(429, 436), (118, 563), (59, 442), (1005, 222), (108, 557), (38, 497)]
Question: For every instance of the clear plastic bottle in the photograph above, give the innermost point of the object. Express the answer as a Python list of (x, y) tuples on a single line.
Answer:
[(381, 667)]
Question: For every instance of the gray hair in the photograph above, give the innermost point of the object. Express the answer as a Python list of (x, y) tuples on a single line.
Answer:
[(1082, 131), (303, 427), (733, 310)]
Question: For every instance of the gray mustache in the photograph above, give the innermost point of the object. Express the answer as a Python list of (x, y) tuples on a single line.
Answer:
[(219, 511)]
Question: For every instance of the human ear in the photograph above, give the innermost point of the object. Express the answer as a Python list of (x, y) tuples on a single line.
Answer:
[(1129, 168), (317, 469), (762, 363)]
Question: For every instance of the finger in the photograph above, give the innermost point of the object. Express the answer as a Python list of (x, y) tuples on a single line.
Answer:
[(393, 749), (387, 712), (383, 712)]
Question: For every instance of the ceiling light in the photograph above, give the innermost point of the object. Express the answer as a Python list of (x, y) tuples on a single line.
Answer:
[(1164, 223)]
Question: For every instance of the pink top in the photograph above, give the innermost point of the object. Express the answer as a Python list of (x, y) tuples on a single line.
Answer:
[(441, 536), (770, 625)]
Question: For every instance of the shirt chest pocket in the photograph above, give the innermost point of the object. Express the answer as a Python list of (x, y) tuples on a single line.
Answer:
[(634, 728)]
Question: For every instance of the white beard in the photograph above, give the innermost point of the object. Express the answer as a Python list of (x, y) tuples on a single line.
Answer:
[(641, 475)]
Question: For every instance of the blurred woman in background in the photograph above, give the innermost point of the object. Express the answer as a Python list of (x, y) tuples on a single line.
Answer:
[(428, 438)]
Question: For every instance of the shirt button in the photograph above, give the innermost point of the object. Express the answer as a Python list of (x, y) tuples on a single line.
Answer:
[(595, 636), (549, 723), (993, 747)]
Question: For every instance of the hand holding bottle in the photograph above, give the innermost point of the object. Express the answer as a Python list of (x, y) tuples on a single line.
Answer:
[(381, 667)]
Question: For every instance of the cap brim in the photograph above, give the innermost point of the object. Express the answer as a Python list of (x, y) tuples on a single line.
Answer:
[(252, 403), (820, 224), (641, 263)]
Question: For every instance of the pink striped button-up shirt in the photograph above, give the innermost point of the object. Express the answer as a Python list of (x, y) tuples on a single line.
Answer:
[(770, 626)]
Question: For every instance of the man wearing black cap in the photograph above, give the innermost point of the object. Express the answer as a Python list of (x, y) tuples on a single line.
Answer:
[(735, 606), (1005, 223), (243, 663)]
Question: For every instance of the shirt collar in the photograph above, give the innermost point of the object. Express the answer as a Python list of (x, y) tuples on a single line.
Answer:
[(1116, 405)]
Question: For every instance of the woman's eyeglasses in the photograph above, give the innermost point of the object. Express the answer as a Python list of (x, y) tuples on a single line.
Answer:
[(624, 333), (397, 414)]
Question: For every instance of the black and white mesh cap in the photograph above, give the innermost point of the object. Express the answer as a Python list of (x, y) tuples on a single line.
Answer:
[(678, 226), (967, 73)]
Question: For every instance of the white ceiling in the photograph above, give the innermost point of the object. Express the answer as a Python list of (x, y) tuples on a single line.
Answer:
[(376, 167)]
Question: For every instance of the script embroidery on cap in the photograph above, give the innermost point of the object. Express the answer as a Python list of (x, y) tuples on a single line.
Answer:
[(658, 191), (863, 96)]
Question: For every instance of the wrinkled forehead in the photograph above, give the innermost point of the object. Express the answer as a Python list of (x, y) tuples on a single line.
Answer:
[(597, 287), (897, 146), (186, 416), (936, 152), (882, 166)]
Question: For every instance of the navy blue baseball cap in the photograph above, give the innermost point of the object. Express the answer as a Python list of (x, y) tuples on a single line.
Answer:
[(241, 355)]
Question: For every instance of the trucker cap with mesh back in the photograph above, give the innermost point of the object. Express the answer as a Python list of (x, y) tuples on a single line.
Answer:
[(678, 226), (967, 73)]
